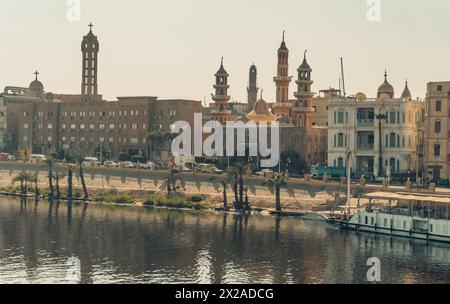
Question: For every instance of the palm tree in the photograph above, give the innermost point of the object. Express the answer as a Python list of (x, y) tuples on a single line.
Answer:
[(246, 204), (83, 183), (69, 185), (236, 173), (23, 178), (223, 185), (49, 162), (274, 183), (36, 189)]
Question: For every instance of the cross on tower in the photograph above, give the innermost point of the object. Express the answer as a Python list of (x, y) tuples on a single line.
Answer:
[(90, 26), (36, 73)]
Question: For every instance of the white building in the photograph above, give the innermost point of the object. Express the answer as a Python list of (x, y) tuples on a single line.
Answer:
[(354, 126)]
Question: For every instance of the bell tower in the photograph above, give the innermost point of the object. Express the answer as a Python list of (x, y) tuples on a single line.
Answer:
[(221, 111), (282, 81), (89, 48), (302, 110)]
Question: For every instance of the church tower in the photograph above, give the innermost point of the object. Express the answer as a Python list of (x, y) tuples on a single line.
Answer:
[(302, 110), (252, 89), (221, 111), (89, 48), (282, 81)]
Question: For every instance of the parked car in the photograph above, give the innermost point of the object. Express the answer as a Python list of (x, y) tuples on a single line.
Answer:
[(37, 158), (265, 173), (127, 164), (110, 164), (91, 162)]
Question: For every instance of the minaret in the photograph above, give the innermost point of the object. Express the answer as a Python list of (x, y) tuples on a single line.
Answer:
[(252, 89), (221, 111), (302, 111), (282, 81), (90, 48)]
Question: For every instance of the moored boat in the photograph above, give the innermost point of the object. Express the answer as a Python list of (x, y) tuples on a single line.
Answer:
[(412, 215)]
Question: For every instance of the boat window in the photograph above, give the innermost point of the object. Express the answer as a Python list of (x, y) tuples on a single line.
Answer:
[(431, 227), (371, 220), (385, 222), (367, 220)]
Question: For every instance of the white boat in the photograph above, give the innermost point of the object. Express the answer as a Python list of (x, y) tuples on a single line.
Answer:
[(411, 215)]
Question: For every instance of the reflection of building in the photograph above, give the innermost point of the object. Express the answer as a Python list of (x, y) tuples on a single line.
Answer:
[(353, 124), (438, 131)]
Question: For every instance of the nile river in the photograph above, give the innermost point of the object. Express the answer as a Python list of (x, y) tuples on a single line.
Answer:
[(52, 243)]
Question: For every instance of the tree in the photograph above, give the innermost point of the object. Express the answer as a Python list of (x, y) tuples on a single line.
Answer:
[(274, 183), (236, 173), (83, 183), (222, 185), (23, 178), (49, 162), (69, 185)]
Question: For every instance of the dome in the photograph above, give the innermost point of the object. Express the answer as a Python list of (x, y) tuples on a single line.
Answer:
[(283, 119), (304, 65), (221, 71), (386, 88), (261, 112), (406, 92), (36, 86)]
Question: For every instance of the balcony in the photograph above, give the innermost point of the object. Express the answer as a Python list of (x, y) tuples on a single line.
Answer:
[(366, 147), (366, 123)]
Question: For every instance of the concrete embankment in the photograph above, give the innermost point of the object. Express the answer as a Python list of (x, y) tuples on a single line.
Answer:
[(297, 195)]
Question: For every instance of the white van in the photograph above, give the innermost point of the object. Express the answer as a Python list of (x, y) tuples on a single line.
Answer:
[(37, 158), (91, 162)]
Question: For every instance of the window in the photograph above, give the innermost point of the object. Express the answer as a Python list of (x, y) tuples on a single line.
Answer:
[(392, 139), (437, 150), (134, 126), (111, 126), (92, 126), (111, 139), (439, 88), (25, 126), (134, 140), (437, 127), (102, 126), (49, 126), (392, 117), (82, 126), (73, 126), (438, 106)]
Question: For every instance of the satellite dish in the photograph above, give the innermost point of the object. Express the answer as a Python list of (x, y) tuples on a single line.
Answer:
[(360, 97)]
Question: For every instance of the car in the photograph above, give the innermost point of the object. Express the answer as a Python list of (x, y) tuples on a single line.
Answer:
[(265, 173), (127, 164), (110, 164)]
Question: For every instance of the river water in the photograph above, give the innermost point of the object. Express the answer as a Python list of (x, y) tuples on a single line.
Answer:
[(52, 243)]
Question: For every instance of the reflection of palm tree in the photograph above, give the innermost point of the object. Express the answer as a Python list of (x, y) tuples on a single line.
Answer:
[(83, 183), (69, 185)]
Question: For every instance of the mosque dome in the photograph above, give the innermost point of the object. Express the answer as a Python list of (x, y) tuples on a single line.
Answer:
[(385, 89)]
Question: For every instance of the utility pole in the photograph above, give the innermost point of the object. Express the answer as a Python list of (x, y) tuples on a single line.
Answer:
[(380, 117)]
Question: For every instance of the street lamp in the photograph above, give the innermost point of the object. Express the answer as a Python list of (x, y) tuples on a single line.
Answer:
[(380, 117)]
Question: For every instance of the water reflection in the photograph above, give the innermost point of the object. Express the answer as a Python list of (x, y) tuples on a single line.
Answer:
[(128, 244)]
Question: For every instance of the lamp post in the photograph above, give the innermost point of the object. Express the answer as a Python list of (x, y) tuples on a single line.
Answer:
[(380, 117)]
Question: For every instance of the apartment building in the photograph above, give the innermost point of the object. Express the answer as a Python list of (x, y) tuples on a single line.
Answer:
[(383, 135), (438, 131)]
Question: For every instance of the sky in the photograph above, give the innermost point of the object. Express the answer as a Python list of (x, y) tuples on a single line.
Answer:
[(172, 48)]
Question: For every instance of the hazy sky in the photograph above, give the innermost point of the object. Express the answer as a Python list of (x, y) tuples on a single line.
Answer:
[(172, 48)]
